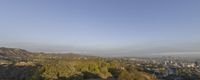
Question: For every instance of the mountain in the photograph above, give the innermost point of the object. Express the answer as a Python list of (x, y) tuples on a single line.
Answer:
[(14, 53)]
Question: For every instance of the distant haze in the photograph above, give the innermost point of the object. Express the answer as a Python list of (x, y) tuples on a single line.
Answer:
[(102, 27)]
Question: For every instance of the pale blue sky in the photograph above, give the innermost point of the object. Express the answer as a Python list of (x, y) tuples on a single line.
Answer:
[(129, 26)]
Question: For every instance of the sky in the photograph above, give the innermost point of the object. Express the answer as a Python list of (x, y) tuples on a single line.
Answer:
[(102, 27)]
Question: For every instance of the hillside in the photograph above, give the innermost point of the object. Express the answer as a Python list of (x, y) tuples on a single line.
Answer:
[(52, 66), (14, 53)]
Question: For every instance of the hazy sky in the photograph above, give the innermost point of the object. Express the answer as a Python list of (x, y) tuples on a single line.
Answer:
[(123, 27)]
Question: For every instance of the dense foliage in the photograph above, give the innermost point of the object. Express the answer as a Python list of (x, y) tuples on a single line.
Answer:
[(68, 67)]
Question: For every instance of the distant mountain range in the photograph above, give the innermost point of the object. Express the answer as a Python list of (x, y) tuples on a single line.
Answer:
[(16, 53)]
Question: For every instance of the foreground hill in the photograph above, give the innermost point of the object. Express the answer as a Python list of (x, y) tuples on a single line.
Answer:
[(42, 66)]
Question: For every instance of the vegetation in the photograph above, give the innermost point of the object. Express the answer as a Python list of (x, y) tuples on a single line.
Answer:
[(66, 67)]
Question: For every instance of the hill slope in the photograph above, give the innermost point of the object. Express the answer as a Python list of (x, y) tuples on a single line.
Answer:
[(14, 53)]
